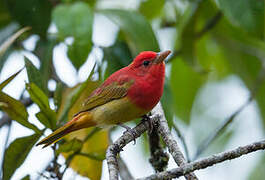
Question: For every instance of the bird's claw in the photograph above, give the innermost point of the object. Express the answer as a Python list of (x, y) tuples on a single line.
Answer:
[(129, 130)]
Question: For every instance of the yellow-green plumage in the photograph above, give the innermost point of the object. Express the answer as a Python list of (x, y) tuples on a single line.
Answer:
[(109, 106)]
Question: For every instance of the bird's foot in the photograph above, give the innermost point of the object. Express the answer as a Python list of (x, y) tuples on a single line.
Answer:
[(147, 118), (130, 130)]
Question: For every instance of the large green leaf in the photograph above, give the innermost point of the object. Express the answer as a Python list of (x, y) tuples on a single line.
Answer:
[(16, 154), (138, 32), (75, 20), (247, 14), (16, 111), (42, 101), (185, 83), (151, 8), (35, 76), (33, 13)]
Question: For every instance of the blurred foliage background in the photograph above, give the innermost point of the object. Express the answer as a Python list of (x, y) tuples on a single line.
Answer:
[(215, 76)]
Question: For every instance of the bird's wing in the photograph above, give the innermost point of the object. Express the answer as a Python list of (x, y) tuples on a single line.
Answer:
[(105, 94)]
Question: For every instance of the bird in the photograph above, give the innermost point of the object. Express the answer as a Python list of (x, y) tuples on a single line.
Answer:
[(127, 94)]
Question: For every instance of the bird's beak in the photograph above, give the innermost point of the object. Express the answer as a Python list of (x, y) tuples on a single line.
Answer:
[(161, 56)]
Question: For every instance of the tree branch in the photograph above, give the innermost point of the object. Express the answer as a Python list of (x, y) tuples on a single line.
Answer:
[(157, 119), (116, 147), (209, 161), (172, 145), (124, 171)]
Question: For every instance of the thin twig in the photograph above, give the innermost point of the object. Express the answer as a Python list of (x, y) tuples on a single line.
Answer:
[(183, 141), (207, 27), (208, 161), (5, 120), (124, 171), (218, 131), (170, 142)]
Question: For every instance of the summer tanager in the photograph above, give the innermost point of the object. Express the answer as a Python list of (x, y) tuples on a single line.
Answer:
[(129, 93)]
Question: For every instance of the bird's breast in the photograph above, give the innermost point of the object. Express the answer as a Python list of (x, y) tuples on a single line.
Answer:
[(146, 93)]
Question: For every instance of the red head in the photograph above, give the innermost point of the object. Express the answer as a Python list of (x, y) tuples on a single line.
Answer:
[(149, 62), (148, 70)]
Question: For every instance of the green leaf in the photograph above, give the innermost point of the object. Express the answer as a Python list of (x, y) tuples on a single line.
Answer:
[(33, 13), (16, 111), (42, 117), (16, 154), (44, 50), (27, 177), (35, 76), (72, 97), (117, 56), (70, 101), (186, 32), (75, 20), (10, 40), (8, 80), (78, 52), (185, 83), (167, 102), (37, 95), (247, 14), (138, 32), (72, 145), (42, 101), (187, 35), (151, 8)]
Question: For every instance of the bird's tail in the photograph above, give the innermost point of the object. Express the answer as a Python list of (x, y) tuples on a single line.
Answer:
[(80, 121)]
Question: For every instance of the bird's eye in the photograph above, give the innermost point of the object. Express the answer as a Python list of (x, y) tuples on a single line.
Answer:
[(146, 63)]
